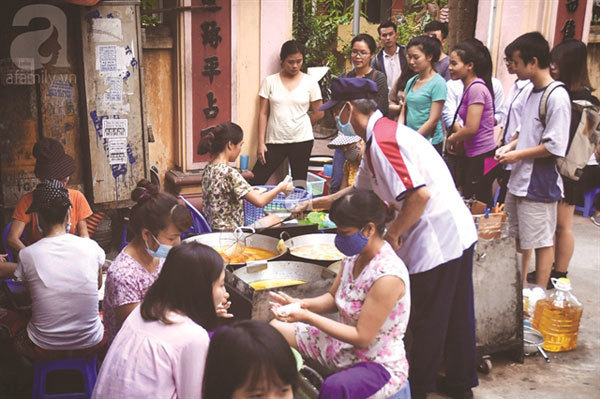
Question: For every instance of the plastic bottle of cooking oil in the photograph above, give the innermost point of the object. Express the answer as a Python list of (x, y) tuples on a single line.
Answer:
[(557, 317)]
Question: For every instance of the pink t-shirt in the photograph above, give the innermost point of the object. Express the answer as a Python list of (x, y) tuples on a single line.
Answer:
[(483, 141), (150, 359), (126, 282)]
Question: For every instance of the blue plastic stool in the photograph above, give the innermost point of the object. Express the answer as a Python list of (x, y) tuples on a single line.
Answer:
[(88, 366), (588, 202)]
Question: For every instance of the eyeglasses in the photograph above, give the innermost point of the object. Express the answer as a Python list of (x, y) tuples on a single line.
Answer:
[(361, 54)]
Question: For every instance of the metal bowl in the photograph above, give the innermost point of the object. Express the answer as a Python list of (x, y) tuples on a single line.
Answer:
[(532, 340)]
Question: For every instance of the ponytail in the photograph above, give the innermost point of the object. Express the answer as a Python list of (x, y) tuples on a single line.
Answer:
[(214, 140)]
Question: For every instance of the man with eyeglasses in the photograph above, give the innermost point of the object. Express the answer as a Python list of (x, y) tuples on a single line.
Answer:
[(391, 59), (511, 118)]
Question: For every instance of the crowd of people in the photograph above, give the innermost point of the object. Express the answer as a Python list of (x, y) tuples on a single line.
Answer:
[(420, 131)]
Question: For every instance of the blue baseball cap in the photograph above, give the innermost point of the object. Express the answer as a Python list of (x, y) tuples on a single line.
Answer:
[(348, 89)]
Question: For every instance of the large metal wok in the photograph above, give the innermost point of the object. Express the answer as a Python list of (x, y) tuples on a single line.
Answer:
[(227, 238), (250, 303), (312, 239)]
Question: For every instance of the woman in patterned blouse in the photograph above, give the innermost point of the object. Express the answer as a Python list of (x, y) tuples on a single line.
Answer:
[(223, 187)]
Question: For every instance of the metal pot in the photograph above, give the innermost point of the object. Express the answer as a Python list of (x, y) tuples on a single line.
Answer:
[(312, 239), (251, 303), (226, 238)]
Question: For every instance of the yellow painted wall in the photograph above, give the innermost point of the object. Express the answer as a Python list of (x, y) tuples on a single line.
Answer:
[(247, 75), (262, 27), (159, 95)]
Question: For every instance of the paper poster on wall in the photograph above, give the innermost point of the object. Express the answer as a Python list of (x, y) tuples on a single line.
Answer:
[(114, 91), (114, 128), (117, 144), (106, 58), (61, 89), (106, 30), (117, 157)]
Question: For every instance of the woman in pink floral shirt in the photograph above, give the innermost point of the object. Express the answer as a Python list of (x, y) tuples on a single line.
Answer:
[(371, 294), (157, 221)]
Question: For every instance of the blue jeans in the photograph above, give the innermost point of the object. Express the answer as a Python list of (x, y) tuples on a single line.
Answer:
[(338, 171)]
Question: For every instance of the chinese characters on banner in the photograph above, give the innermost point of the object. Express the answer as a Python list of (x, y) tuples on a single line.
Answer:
[(211, 55), (570, 20)]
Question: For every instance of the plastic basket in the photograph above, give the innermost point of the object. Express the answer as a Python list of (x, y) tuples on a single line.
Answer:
[(281, 202), (315, 184)]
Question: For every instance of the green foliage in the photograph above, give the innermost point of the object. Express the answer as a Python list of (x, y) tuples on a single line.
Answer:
[(317, 29), (414, 19), (149, 20)]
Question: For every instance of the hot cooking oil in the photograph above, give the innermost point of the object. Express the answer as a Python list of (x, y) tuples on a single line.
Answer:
[(557, 318)]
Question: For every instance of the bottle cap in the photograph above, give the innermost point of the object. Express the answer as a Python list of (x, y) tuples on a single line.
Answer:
[(562, 283)]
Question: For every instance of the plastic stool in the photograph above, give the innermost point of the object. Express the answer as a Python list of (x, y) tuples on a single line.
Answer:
[(588, 202), (86, 365)]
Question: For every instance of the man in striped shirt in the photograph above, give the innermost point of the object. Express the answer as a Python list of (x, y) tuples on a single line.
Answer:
[(432, 232)]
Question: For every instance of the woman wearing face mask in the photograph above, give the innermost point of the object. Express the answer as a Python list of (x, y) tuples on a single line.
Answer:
[(426, 92), (352, 148), (371, 294), (157, 222)]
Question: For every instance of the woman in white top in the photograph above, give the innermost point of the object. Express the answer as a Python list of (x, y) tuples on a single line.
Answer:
[(288, 109), (161, 349), (63, 274)]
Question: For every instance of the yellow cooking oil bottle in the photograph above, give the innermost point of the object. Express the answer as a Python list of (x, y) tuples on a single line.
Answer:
[(557, 317)]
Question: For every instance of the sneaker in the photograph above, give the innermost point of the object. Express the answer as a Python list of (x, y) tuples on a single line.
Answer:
[(596, 219)]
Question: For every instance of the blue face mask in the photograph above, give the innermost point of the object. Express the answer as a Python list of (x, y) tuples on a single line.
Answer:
[(161, 252), (351, 245), (347, 129)]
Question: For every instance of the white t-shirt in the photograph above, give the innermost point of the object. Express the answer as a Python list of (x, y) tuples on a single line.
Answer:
[(403, 160), (513, 108), (288, 118), (62, 275), (150, 359), (538, 179)]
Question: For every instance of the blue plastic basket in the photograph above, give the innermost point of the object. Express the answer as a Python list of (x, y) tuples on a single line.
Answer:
[(252, 213)]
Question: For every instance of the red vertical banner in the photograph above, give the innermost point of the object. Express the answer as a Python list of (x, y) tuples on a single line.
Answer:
[(570, 18), (211, 66)]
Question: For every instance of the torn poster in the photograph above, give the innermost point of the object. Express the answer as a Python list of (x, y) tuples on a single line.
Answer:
[(106, 30)]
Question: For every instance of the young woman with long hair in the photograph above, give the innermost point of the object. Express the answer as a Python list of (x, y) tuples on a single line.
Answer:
[(161, 349), (470, 61), (569, 65), (426, 92)]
